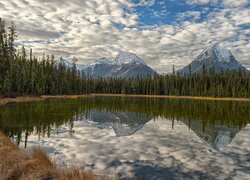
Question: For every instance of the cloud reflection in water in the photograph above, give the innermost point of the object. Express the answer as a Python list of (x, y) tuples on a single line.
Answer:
[(104, 142)]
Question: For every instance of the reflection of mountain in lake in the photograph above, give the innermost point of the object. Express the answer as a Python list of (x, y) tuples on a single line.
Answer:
[(127, 123), (216, 135), (124, 123), (216, 122)]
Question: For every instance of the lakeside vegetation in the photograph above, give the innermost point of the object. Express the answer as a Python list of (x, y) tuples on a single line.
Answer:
[(19, 99), (22, 74), (15, 164)]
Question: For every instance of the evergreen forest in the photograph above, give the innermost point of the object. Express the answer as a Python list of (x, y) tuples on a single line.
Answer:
[(22, 73)]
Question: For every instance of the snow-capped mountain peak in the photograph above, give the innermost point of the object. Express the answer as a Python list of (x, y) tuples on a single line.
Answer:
[(222, 53), (219, 53), (215, 58), (126, 57)]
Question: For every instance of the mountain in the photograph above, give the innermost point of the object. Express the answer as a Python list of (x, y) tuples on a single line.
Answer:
[(214, 58), (125, 65)]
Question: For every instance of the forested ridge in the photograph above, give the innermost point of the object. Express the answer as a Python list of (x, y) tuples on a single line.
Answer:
[(21, 73)]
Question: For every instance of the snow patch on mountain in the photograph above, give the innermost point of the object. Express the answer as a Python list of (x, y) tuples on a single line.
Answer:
[(102, 60), (126, 57), (222, 53)]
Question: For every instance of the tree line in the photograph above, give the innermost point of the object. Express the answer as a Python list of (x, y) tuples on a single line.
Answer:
[(21, 73)]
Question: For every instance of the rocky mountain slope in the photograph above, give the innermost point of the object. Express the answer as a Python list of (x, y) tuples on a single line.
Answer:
[(215, 58)]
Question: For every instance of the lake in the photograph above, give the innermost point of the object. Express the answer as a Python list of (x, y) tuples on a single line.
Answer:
[(147, 138)]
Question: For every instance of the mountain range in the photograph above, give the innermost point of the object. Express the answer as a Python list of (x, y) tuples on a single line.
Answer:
[(128, 65), (125, 65)]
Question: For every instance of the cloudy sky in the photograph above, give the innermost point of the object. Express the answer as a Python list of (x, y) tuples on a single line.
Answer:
[(162, 32)]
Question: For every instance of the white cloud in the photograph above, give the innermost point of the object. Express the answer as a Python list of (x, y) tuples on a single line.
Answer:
[(146, 3), (235, 3), (89, 29), (195, 15), (201, 2)]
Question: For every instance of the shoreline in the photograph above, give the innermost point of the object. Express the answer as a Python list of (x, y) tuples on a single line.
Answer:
[(175, 97), (6, 100), (19, 99)]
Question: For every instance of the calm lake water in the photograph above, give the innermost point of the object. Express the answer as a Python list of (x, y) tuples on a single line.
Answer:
[(137, 137)]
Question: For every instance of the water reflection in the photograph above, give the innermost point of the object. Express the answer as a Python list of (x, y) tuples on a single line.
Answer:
[(143, 137), (123, 123), (156, 151), (217, 136), (214, 122), (128, 123)]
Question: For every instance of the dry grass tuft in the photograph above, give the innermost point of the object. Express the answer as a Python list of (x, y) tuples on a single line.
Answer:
[(4, 141), (80, 174), (42, 157), (16, 165)]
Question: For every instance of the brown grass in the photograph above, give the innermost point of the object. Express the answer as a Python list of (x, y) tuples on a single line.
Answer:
[(38, 154), (175, 97), (5, 100), (17, 165)]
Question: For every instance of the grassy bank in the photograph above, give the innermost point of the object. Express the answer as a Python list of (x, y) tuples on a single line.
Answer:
[(15, 164), (5, 100), (177, 97)]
